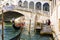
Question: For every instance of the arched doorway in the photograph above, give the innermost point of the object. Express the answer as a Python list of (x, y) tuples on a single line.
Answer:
[(45, 7), (25, 4), (31, 5), (38, 6)]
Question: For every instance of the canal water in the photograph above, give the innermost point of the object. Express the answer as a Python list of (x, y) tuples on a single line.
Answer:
[(9, 32), (34, 35)]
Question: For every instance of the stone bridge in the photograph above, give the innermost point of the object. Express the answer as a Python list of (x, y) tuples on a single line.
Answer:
[(33, 15)]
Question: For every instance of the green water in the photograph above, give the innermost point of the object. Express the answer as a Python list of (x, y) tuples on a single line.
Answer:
[(9, 33), (33, 36)]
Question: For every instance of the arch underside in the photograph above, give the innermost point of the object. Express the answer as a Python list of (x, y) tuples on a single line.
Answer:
[(8, 15)]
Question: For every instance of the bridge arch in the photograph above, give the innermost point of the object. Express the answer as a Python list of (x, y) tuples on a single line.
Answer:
[(8, 15)]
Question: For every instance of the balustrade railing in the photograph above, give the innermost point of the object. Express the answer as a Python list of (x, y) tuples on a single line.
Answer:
[(32, 10)]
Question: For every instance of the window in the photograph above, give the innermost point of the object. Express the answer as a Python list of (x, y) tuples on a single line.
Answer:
[(25, 4), (31, 5), (20, 3), (46, 7), (38, 6)]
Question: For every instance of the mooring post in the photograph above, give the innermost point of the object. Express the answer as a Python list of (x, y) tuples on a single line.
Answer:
[(35, 23), (2, 26), (29, 26)]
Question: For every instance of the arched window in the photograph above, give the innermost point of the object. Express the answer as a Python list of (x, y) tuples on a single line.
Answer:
[(20, 3), (46, 7), (31, 5), (38, 6), (25, 4)]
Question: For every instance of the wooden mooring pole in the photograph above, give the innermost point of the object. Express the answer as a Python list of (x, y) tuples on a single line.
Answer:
[(2, 26), (35, 22), (29, 25)]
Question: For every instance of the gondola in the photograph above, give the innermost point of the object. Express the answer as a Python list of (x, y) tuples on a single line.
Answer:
[(17, 26)]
